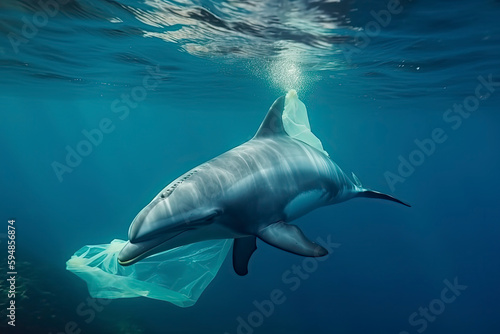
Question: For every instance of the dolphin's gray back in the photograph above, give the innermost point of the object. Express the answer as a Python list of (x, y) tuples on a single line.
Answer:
[(265, 174), (270, 178)]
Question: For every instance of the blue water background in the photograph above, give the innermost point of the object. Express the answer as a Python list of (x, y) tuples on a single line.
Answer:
[(367, 108)]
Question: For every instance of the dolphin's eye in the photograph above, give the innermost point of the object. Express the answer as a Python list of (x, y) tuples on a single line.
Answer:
[(162, 196)]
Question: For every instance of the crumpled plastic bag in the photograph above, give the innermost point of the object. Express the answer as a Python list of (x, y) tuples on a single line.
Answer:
[(178, 275), (296, 122)]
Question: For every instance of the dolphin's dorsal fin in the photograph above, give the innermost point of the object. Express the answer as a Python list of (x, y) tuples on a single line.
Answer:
[(273, 123), (288, 117)]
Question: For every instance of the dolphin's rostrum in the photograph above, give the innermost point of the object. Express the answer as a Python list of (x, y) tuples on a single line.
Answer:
[(252, 191)]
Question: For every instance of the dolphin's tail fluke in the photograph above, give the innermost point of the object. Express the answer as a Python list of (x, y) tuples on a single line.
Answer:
[(362, 192), (376, 194)]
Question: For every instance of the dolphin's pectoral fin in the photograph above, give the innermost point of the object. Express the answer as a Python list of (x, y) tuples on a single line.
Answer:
[(243, 249), (291, 239)]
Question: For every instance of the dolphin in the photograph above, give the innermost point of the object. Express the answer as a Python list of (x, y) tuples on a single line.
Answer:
[(252, 191)]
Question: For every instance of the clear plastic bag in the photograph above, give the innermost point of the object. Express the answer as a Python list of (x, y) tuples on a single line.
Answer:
[(296, 122), (179, 275)]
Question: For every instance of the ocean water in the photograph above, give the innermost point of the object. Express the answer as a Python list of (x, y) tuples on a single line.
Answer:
[(403, 93)]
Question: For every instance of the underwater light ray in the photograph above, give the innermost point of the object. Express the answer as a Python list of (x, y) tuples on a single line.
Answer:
[(285, 70)]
